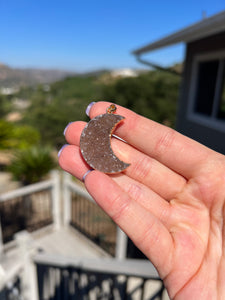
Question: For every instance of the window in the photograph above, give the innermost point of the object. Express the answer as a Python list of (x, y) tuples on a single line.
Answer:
[(207, 93), (206, 86), (221, 111)]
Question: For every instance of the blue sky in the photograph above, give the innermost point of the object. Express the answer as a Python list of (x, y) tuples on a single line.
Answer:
[(92, 34)]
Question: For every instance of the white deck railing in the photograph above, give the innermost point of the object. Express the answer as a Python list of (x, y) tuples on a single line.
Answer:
[(52, 184), (129, 267), (61, 197), (61, 204)]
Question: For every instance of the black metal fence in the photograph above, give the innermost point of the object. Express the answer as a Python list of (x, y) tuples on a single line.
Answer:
[(12, 291), (67, 283), (89, 219), (29, 212)]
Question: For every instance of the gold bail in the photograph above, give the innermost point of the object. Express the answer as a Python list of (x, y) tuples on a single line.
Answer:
[(111, 109)]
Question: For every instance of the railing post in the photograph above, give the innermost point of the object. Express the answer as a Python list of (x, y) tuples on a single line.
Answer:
[(1, 239), (28, 274), (121, 244), (56, 205), (66, 199)]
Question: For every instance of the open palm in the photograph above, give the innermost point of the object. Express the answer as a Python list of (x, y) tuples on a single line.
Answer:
[(170, 201)]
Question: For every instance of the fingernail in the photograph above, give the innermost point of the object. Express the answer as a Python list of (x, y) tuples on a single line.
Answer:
[(64, 132), (89, 108), (62, 149)]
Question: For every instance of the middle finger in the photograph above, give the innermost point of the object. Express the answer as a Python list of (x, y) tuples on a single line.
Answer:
[(148, 171)]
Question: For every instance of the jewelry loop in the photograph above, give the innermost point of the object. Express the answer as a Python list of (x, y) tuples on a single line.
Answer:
[(111, 109)]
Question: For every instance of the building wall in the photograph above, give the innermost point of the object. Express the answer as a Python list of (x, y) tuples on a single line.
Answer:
[(210, 134)]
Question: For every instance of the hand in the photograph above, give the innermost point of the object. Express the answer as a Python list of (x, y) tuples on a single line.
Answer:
[(170, 201)]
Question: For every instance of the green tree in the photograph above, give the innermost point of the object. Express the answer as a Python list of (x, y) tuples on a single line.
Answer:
[(5, 105), (153, 95), (6, 130), (65, 101), (17, 136), (25, 136)]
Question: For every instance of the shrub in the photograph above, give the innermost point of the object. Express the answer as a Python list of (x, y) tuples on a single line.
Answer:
[(32, 164)]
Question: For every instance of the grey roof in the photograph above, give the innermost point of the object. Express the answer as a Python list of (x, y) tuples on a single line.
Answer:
[(204, 28)]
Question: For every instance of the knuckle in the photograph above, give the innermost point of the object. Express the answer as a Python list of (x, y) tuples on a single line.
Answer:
[(134, 191), (141, 168), (164, 142), (120, 206)]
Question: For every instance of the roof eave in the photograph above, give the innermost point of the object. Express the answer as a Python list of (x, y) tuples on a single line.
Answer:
[(207, 27)]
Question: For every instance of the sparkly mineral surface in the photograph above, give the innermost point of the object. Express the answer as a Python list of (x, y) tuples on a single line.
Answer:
[(95, 144)]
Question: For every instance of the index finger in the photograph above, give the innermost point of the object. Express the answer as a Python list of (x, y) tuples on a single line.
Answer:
[(176, 151)]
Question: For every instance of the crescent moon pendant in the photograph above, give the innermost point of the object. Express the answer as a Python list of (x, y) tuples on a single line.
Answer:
[(95, 144)]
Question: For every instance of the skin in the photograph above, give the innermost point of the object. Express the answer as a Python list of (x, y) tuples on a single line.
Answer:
[(169, 201)]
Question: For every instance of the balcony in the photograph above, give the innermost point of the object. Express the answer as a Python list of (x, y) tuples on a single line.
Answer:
[(56, 243)]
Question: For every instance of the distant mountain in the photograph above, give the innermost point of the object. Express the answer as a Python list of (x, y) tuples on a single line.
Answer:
[(13, 77)]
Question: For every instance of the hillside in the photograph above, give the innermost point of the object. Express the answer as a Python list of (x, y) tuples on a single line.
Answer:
[(12, 77), (49, 108)]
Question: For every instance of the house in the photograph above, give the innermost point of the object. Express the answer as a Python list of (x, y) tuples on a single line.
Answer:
[(126, 72), (201, 105)]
